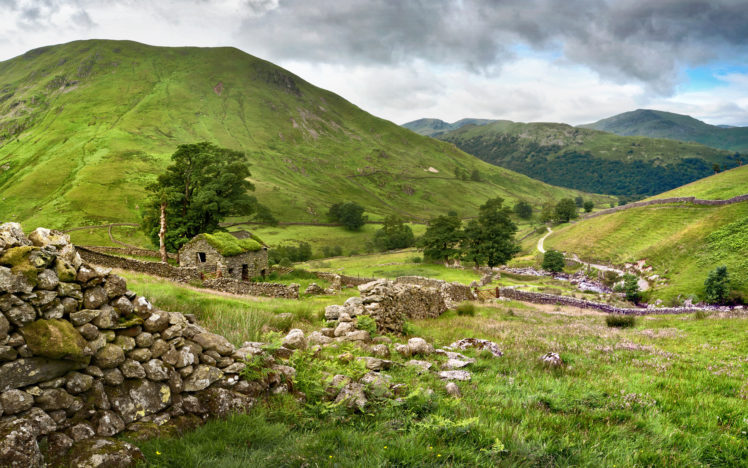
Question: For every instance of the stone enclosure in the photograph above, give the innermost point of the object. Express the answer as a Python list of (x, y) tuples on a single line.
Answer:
[(82, 358)]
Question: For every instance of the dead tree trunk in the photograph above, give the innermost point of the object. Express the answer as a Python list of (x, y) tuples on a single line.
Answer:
[(162, 234)]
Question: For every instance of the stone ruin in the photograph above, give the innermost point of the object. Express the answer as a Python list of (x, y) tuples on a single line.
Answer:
[(391, 303), (82, 358)]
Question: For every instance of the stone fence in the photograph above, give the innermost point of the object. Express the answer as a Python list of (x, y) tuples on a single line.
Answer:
[(665, 201), (229, 285), (83, 358), (453, 293), (344, 279), (164, 270), (132, 251), (541, 298), (186, 275)]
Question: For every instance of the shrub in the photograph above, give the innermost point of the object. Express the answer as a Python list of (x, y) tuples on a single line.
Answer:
[(553, 260), (620, 321), (609, 278), (408, 329), (523, 210), (717, 286), (466, 308), (285, 262), (631, 288), (365, 322), (416, 259), (588, 205)]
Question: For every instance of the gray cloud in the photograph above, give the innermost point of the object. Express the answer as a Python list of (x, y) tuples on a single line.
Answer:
[(622, 40)]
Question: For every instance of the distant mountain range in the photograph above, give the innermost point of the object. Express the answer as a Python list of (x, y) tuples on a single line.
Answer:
[(436, 127), (587, 159), (660, 124)]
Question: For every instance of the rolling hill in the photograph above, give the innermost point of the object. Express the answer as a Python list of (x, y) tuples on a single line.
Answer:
[(84, 126), (681, 242), (590, 160), (436, 127), (660, 124)]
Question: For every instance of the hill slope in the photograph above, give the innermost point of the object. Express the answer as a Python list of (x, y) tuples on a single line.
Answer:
[(587, 159), (660, 124), (681, 242), (85, 125), (436, 127)]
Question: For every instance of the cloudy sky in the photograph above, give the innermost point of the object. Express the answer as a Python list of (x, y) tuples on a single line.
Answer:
[(571, 61)]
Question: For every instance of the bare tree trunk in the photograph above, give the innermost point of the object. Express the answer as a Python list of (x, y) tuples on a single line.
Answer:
[(162, 234)]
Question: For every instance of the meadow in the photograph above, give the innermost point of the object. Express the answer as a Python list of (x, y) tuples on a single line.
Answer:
[(670, 391)]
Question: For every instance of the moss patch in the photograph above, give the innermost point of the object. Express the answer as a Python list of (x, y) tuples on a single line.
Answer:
[(17, 259), (228, 245), (65, 271), (55, 339)]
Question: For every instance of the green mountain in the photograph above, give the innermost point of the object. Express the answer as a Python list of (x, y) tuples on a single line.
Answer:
[(436, 127), (660, 124), (682, 243), (590, 160), (84, 126)]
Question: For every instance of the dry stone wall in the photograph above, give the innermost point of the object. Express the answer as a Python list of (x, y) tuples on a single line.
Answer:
[(187, 274), (453, 293), (541, 298), (132, 251), (666, 201), (82, 358)]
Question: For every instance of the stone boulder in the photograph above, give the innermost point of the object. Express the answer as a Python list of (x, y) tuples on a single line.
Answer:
[(18, 446), (105, 452), (295, 339), (56, 339)]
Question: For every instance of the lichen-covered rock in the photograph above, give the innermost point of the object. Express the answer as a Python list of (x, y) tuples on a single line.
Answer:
[(213, 342), (76, 382), (18, 446), (477, 343), (28, 371), (54, 399), (16, 401), (42, 237), (423, 366), (317, 338), (420, 346), (47, 280), (380, 350), (314, 289), (157, 322), (115, 286), (201, 378), (295, 339), (95, 297), (352, 396), (221, 402), (455, 375), (109, 453), (55, 339), (14, 282), (453, 390), (21, 315), (132, 369), (65, 271), (552, 360), (107, 423), (109, 356)]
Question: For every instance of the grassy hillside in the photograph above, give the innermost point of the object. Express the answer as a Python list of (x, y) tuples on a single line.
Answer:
[(85, 125), (435, 127), (660, 124), (681, 243), (589, 159), (720, 186)]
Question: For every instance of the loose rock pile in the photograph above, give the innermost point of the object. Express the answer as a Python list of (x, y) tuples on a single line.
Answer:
[(82, 358)]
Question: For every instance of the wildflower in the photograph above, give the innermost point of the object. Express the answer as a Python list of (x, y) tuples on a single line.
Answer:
[(158, 453)]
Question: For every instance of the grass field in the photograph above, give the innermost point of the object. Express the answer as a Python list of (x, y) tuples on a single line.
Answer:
[(671, 391), (726, 184)]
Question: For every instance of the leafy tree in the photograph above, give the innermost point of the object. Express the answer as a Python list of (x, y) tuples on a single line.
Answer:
[(395, 234), (715, 168), (523, 209), (553, 260), (300, 252), (490, 239), (579, 201), (203, 185), (350, 215), (547, 213), (565, 210), (588, 205), (476, 176), (717, 286), (441, 238), (631, 288)]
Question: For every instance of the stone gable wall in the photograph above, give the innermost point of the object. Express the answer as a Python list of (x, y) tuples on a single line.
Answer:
[(230, 267), (84, 358)]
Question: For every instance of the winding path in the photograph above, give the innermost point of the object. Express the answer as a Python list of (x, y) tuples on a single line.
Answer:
[(542, 239), (643, 284)]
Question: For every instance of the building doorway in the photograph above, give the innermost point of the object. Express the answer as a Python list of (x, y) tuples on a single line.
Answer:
[(245, 272)]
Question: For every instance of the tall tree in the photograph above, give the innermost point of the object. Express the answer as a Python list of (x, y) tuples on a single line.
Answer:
[(717, 286), (442, 237), (395, 234), (490, 239), (523, 209), (350, 215), (566, 209), (203, 185)]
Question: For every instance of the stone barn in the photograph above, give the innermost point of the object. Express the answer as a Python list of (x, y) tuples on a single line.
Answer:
[(225, 255)]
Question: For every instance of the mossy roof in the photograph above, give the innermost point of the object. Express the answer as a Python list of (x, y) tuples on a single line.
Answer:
[(228, 245)]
